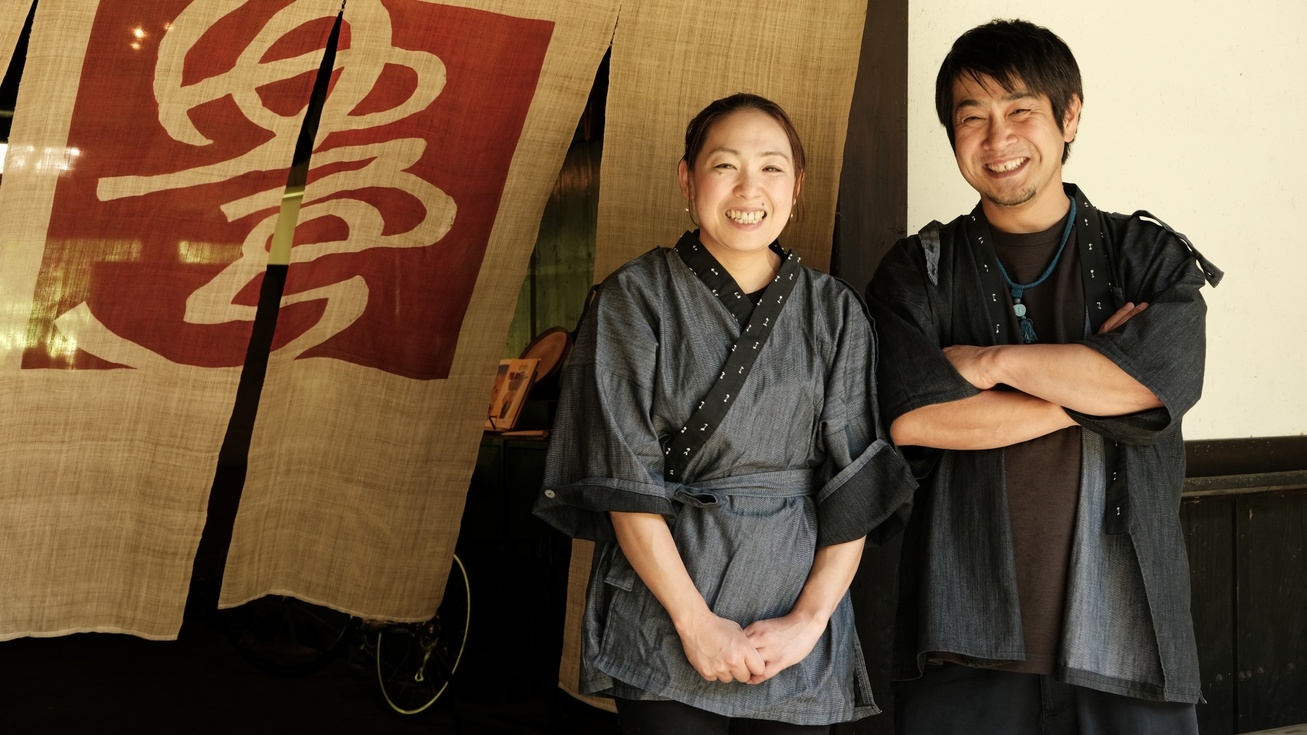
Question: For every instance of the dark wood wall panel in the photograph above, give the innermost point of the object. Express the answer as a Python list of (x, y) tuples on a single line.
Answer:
[(1272, 610), (1209, 534), (1252, 455)]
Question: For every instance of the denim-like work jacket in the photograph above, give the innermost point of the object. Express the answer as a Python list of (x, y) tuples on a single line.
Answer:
[(1127, 626), (797, 463)]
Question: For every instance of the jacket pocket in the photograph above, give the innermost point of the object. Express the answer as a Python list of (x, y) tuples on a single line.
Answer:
[(619, 572)]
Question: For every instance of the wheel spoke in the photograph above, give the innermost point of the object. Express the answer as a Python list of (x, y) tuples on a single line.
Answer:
[(415, 662)]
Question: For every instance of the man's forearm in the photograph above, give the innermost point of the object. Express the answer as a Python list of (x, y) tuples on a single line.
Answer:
[(1070, 375), (987, 420)]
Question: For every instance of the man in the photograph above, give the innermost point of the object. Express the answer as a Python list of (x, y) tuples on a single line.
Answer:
[(1037, 357)]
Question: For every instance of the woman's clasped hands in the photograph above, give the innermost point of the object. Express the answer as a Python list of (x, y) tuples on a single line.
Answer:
[(720, 650)]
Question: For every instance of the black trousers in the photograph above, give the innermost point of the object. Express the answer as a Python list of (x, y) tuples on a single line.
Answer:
[(951, 699), (674, 718)]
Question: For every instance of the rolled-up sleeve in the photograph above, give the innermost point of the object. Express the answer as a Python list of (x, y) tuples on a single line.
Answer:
[(1162, 347)]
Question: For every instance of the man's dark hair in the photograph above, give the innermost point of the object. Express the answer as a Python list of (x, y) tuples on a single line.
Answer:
[(1010, 52)]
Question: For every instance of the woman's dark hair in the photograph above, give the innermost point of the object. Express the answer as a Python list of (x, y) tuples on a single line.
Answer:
[(1010, 52), (697, 131)]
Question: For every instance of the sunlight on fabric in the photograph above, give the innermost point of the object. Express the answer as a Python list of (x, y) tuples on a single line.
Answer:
[(62, 345), (43, 160), (200, 253), (61, 285), (59, 345), (16, 340), (105, 250)]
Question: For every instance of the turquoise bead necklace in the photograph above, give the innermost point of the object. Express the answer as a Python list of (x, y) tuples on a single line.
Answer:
[(1017, 289)]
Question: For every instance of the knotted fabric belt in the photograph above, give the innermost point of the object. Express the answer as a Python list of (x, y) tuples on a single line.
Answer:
[(713, 493)]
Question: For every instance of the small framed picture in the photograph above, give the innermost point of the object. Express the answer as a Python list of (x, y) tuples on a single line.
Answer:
[(512, 383)]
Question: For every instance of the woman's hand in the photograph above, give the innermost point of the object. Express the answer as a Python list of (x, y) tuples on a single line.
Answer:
[(783, 642), (719, 650)]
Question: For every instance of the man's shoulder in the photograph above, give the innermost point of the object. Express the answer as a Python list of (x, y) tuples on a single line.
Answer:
[(1140, 220), (1143, 235), (936, 235), (924, 250), (936, 230)]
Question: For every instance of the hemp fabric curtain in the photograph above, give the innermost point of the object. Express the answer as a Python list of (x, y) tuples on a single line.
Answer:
[(149, 149), (670, 58), (439, 146)]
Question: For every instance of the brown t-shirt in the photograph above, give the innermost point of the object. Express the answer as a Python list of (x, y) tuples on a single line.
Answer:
[(1043, 475)]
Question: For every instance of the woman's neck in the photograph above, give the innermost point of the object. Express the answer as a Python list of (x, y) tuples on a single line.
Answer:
[(752, 271)]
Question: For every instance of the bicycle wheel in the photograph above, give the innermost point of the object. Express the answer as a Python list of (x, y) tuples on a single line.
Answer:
[(415, 661), (286, 636)]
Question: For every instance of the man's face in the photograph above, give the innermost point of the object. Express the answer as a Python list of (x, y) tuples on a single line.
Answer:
[(1008, 146)]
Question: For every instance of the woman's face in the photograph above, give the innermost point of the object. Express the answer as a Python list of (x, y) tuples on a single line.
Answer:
[(743, 184)]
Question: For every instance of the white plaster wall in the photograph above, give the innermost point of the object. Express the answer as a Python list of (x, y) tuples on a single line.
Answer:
[(1197, 112)]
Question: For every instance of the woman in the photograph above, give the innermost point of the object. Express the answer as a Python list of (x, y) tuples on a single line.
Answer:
[(716, 436)]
